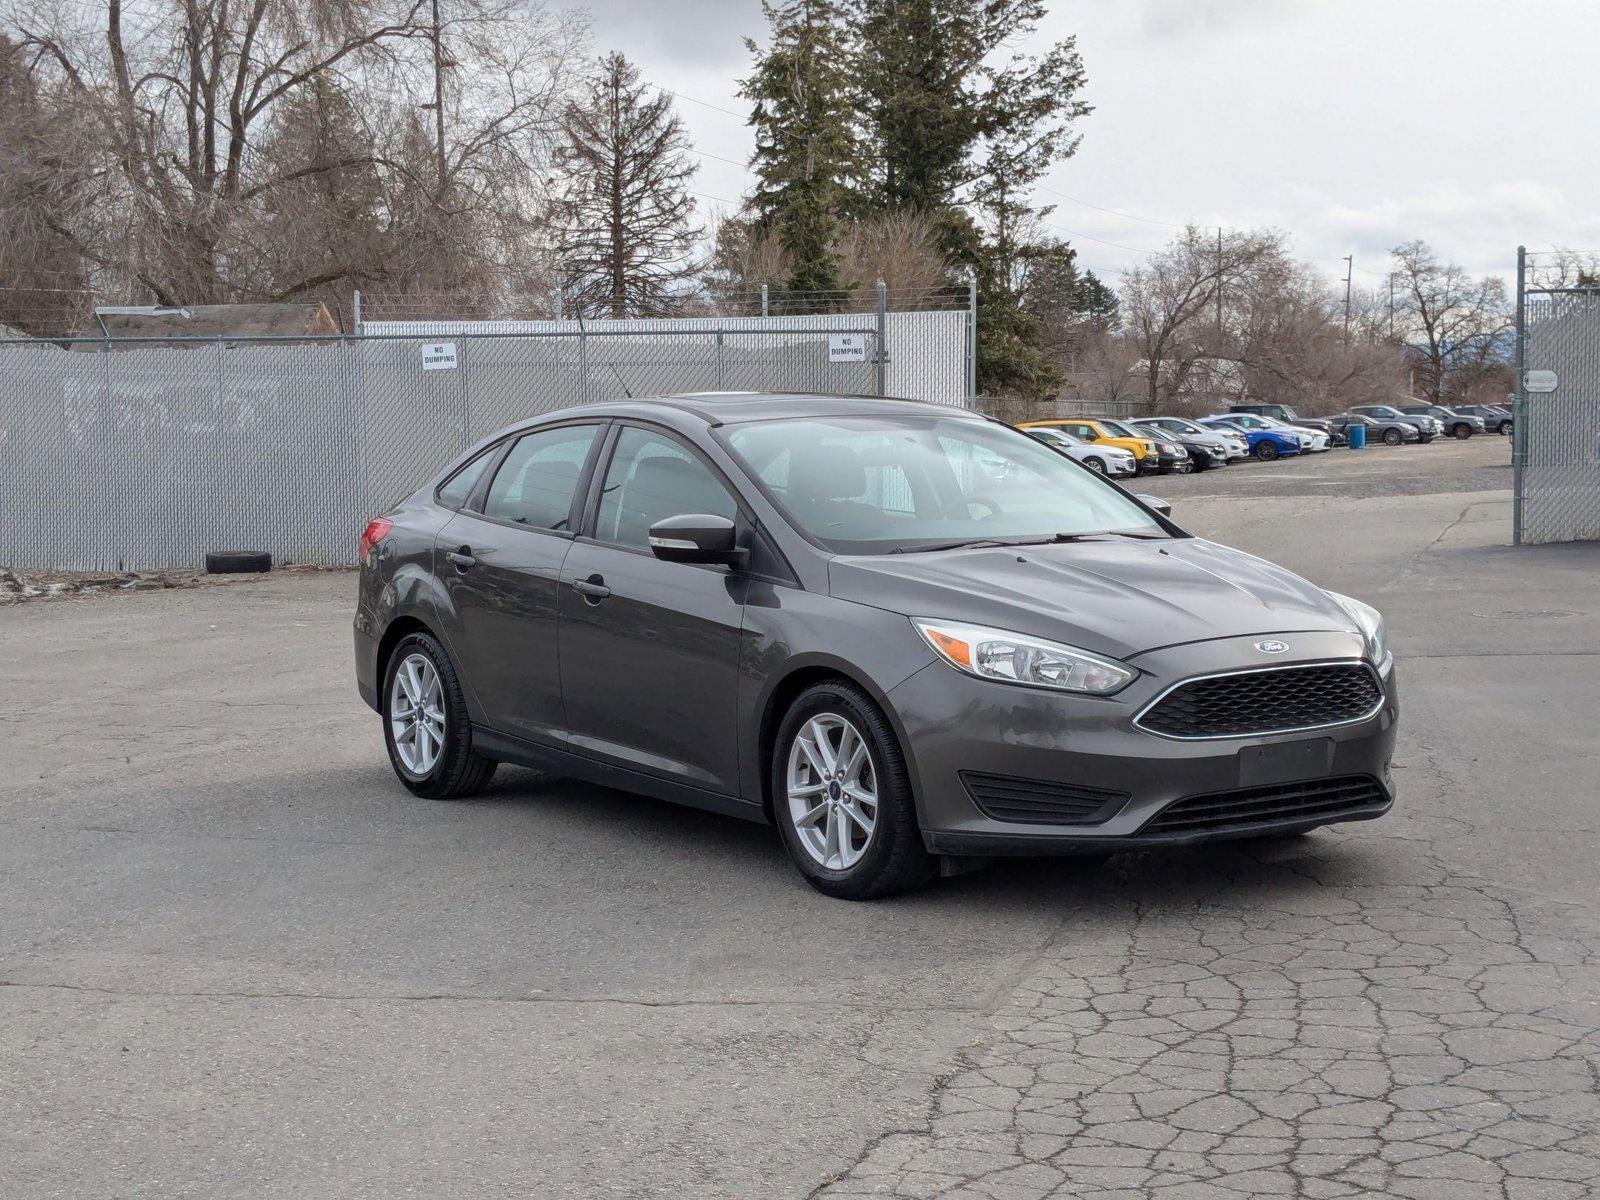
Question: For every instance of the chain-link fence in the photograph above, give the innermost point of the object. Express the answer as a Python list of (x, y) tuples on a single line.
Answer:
[(149, 453), (1556, 442)]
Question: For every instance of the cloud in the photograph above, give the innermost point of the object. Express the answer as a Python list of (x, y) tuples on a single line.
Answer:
[(1162, 19)]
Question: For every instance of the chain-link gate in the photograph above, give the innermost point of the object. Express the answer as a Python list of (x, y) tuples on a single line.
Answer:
[(148, 453), (1556, 446)]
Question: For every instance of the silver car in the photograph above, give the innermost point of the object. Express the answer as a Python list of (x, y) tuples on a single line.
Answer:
[(1110, 461)]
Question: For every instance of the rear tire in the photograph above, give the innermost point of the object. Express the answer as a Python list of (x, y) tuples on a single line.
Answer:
[(421, 688), (819, 789), (1393, 437), (1266, 451), (1461, 432)]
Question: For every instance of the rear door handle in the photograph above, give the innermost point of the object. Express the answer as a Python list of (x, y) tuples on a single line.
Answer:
[(462, 559), (593, 587)]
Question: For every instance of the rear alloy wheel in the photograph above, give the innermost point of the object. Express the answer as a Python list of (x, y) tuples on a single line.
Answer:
[(842, 797), (1266, 451), (1393, 437), (1097, 465), (425, 723)]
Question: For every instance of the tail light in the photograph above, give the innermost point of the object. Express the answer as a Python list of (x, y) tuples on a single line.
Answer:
[(377, 529)]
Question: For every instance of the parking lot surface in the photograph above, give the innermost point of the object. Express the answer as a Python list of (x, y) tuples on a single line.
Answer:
[(239, 960)]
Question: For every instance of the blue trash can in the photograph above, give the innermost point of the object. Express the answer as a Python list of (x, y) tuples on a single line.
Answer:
[(1357, 435)]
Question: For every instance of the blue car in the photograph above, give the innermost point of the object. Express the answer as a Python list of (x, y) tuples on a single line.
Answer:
[(1265, 444)]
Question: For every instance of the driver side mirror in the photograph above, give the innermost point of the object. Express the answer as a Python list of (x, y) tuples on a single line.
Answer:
[(696, 538), (1160, 506)]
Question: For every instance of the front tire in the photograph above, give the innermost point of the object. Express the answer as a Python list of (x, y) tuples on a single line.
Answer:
[(1461, 432), (1393, 437), (425, 723), (1266, 451), (841, 796), (1097, 465)]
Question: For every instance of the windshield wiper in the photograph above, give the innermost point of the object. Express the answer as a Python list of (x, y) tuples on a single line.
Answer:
[(969, 544)]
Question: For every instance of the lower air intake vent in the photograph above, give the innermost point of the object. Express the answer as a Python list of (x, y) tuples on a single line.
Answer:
[(1041, 801), (1283, 803)]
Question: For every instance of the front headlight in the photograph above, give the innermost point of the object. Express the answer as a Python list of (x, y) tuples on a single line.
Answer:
[(1370, 621), (1016, 658)]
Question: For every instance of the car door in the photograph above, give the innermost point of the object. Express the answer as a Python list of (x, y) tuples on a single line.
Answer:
[(650, 649), (500, 563)]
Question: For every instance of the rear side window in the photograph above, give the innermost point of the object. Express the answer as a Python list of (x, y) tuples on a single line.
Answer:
[(459, 486), (652, 477), (534, 485)]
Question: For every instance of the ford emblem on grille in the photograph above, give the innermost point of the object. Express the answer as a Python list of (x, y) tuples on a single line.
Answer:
[(1272, 647)]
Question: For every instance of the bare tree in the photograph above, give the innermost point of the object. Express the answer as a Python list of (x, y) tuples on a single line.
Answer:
[(624, 217), (1454, 326), (1168, 304), (205, 123)]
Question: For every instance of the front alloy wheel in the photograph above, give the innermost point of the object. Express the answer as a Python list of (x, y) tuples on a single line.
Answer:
[(1266, 451), (1096, 465), (833, 792), (841, 796)]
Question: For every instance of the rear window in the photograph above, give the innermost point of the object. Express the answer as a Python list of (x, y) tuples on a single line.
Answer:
[(458, 487), (535, 484)]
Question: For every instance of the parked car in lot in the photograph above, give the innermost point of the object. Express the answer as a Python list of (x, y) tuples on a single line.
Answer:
[(1183, 457), (1312, 441), (1391, 433), (1286, 415), (1456, 423), (1230, 441), (1427, 427), (1102, 459), (1206, 449), (1265, 443), (1101, 431), (899, 632), (1495, 419)]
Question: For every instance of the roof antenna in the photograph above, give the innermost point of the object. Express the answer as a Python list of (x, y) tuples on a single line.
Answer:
[(624, 386)]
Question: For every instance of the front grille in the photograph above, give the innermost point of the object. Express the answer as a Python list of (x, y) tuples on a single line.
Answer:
[(1276, 700), (1282, 803), (1040, 801)]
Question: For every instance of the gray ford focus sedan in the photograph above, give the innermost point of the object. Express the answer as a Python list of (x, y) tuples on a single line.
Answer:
[(908, 636)]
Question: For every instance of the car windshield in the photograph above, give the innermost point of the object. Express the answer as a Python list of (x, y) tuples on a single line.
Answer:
[(880, 484), (1117, 429), (1160, 434), (1054, 437)]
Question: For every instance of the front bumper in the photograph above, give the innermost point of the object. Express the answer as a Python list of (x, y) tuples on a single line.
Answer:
[(953, 723)]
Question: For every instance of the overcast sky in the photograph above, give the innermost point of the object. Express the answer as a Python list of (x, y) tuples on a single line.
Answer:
[(1352, 124)]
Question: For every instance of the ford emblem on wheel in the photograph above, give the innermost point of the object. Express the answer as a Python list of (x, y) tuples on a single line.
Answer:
[(1272, 647)]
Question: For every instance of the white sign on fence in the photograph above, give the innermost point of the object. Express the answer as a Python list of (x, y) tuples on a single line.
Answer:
[(1540, 381), (847, 347), (441, 356)]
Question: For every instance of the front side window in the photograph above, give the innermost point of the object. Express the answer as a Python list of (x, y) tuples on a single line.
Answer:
[(875, 485), (652, 477), (535, 483)]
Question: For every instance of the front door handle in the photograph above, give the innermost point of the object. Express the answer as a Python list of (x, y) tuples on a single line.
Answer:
[(593, 588), (461, 559)]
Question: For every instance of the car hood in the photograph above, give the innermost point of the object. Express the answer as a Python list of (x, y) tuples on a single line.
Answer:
[(1117, 596)]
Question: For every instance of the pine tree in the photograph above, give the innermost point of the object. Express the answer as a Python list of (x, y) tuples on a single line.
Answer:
[(1095, 302), (623, 219), (806, 144)]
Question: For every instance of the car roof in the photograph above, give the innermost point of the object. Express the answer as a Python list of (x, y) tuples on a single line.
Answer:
[(721, 408)]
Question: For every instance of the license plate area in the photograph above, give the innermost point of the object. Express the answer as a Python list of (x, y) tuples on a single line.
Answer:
[(1285, 762)]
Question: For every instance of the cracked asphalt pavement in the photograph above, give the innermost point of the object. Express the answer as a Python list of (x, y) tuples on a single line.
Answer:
[(237, 959)]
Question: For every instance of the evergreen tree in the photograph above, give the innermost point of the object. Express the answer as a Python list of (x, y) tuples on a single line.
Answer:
[(1095, 302), (806, 147), (624, 229)]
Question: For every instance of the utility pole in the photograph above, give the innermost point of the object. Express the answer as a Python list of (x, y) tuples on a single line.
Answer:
[(1391, 306), (438, 98), (1219, 288), (1349, 271)]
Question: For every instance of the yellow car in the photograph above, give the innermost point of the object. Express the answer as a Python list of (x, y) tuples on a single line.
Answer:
[(1107, 433)]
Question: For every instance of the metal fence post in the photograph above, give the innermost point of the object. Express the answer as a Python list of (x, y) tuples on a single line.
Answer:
[(719, 359), (1519, 408), (883, 345), (764, 301), (355, 310), (555, 301), (972, 338)]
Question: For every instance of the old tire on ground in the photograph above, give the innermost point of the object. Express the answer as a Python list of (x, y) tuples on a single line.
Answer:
[(1393, 437), (238, 562), (1266, 451), (425, 723), (841, 796)]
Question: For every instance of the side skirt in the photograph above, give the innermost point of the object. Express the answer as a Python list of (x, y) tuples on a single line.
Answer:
[(505, 748)]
